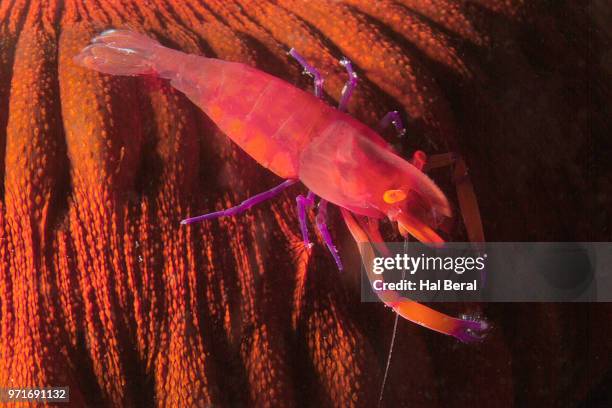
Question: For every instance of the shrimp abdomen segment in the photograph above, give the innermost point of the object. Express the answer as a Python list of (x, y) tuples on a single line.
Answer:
[(270, 119)]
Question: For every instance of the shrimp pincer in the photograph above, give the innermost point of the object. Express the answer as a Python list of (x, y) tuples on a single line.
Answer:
[(300, 138)]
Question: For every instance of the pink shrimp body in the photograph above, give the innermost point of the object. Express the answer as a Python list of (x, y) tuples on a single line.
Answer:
[(298, 137), (287, 130)]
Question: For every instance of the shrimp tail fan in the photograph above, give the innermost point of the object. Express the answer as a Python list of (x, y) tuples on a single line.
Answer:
[(120, 52)]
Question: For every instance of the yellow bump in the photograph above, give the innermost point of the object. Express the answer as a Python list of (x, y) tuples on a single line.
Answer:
[(394, 196)]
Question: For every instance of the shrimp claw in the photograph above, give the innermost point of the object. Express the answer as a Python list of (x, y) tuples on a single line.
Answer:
[(243, 206), (471, 329)]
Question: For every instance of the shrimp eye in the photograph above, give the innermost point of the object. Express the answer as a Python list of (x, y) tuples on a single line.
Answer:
[(394, 196)]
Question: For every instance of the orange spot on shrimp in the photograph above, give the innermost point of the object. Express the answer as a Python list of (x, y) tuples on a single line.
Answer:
[(215, 112), (282, 163), (257, 145), (235, 127), (394, 196)]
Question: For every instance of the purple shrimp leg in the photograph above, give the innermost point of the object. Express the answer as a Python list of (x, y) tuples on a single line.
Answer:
[(309, 70), (303, 203), (392, 118), (245, 205), (322, 226), (350, 85)]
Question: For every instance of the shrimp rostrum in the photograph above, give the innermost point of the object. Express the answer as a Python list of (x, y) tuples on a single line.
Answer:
[(300, 138)]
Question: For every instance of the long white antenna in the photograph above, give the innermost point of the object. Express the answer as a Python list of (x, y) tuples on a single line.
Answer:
[(384, 381)]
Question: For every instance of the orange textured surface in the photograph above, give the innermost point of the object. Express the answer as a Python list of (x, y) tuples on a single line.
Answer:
[(102, 290)]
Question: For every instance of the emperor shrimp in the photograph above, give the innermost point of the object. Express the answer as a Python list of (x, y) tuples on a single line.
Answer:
[(300, 138)]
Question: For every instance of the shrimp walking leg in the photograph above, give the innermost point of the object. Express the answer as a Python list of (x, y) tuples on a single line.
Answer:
[(321, 220), (465, 192), (350, 85), (392, 118), (309, 70), (303, 203), (245, 205)]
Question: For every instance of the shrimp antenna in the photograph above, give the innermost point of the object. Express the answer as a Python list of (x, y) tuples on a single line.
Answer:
[(388, 365)]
